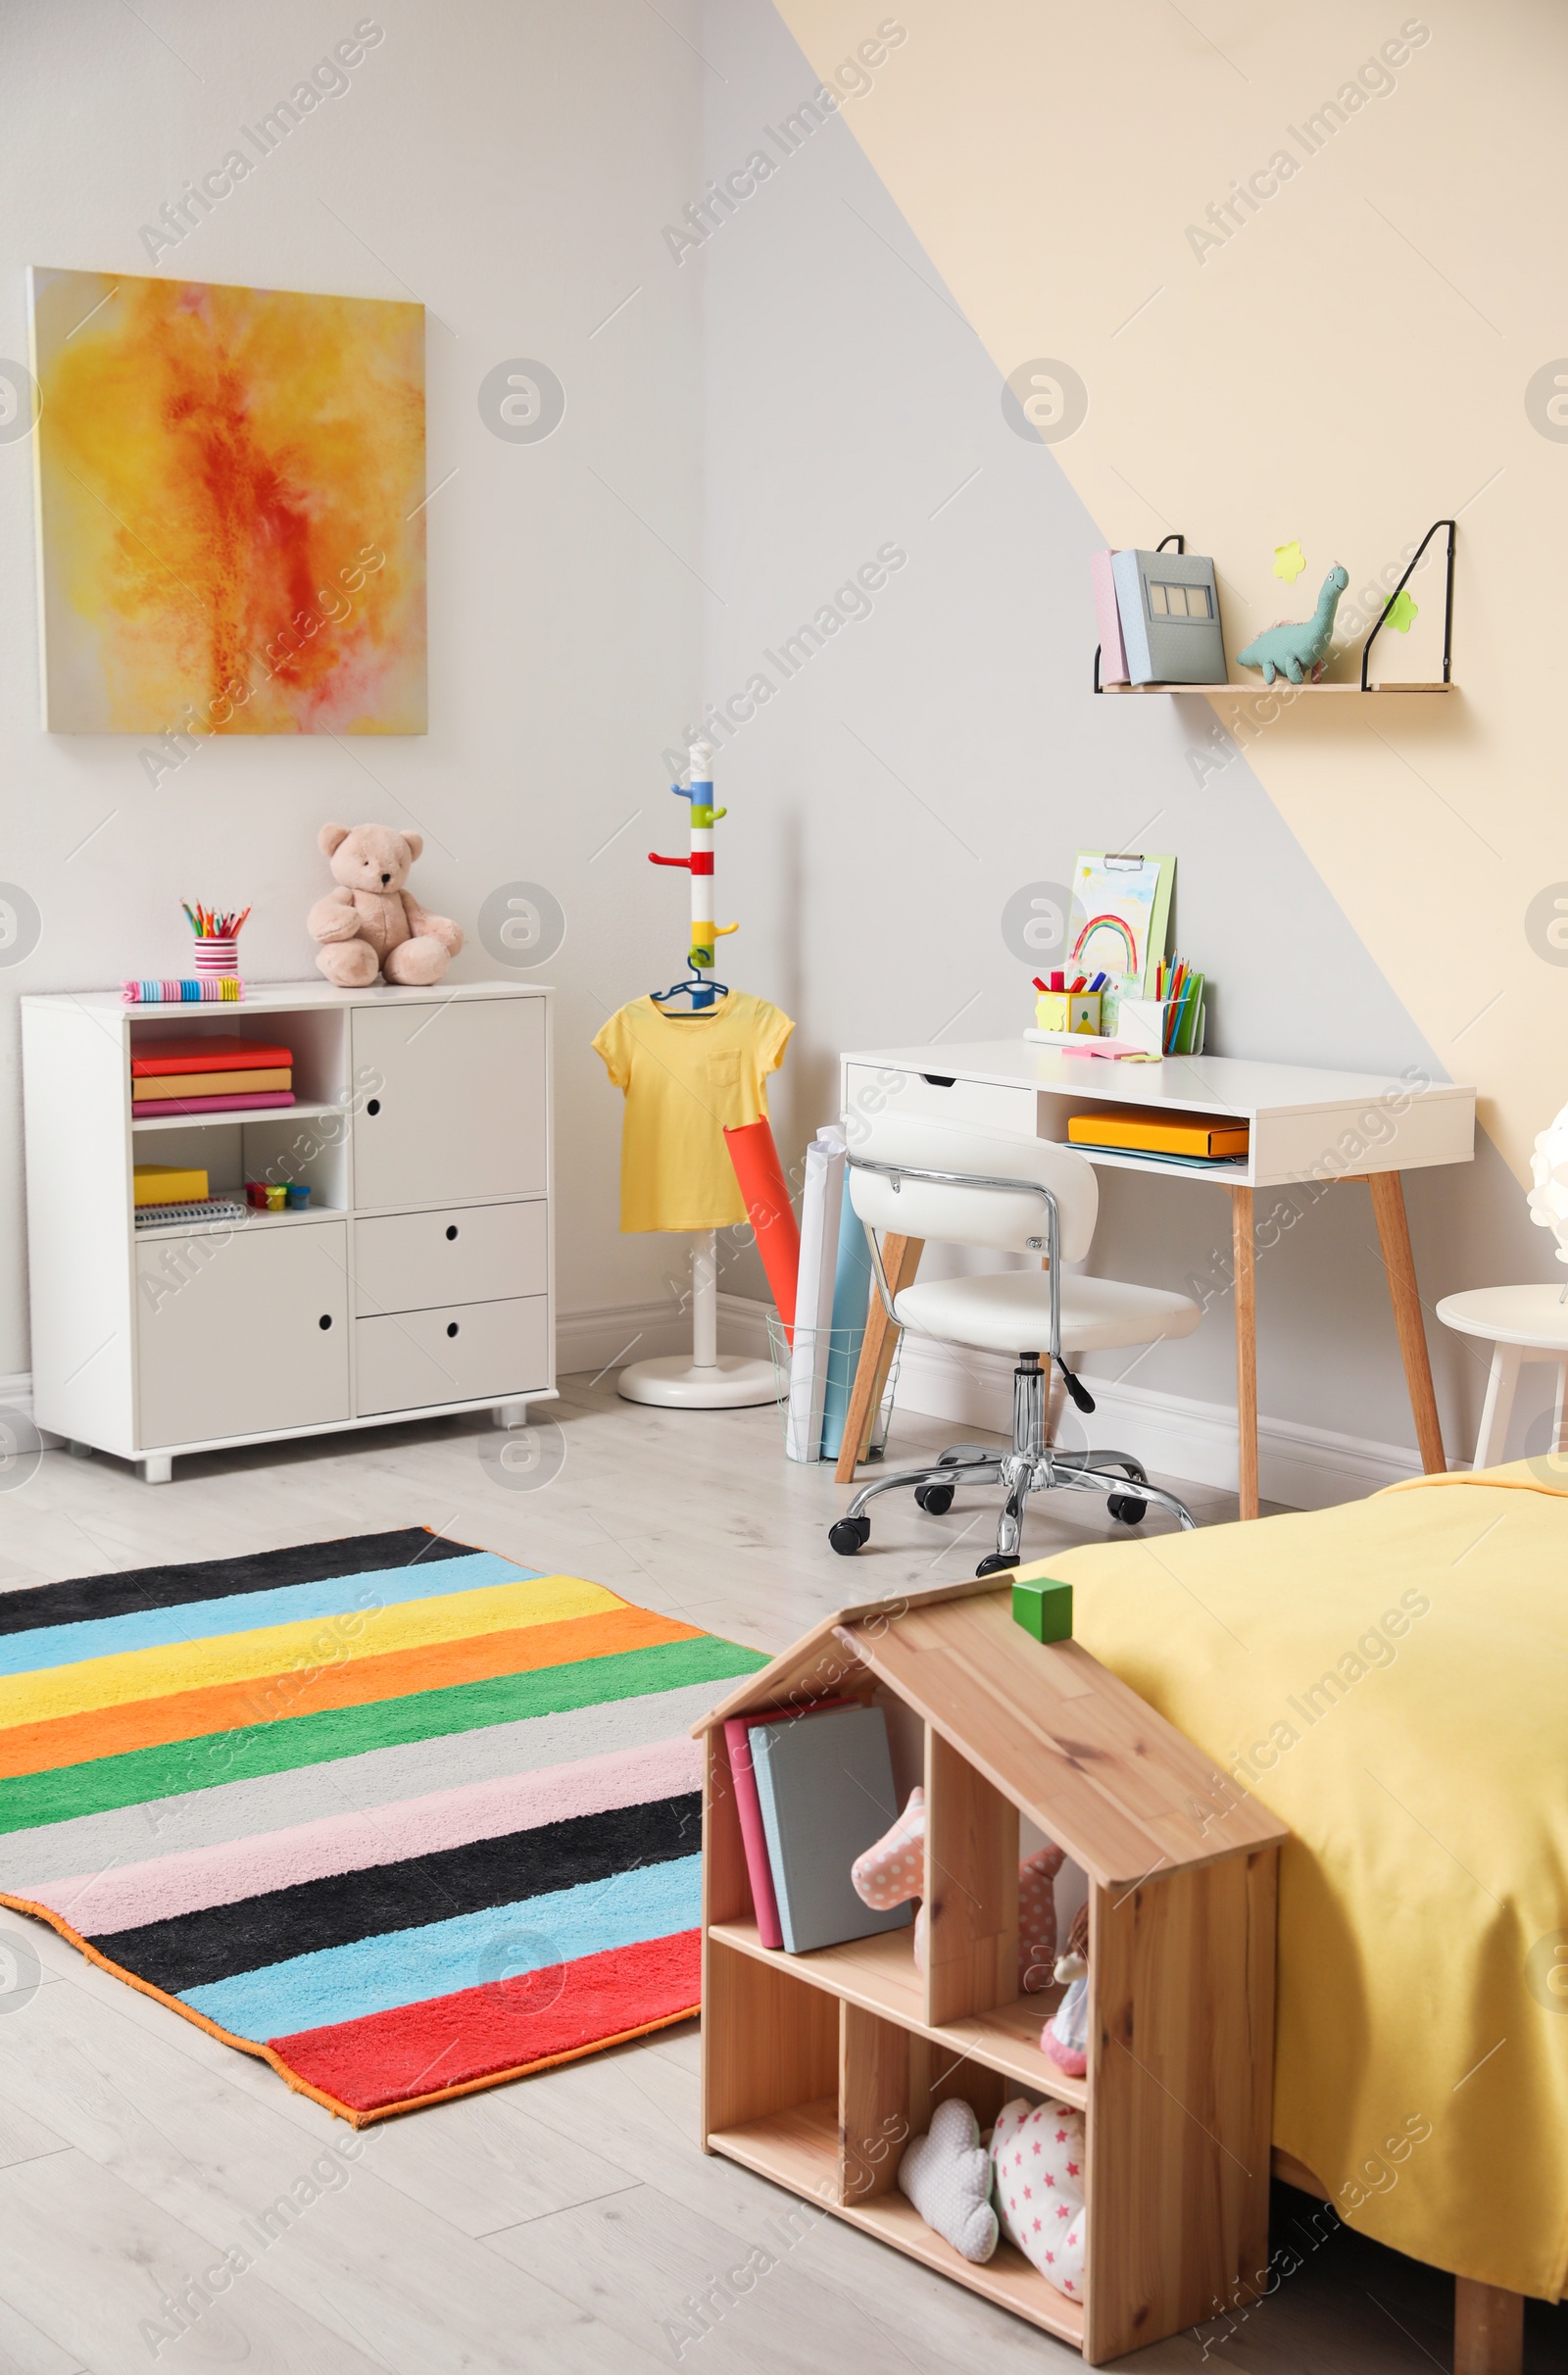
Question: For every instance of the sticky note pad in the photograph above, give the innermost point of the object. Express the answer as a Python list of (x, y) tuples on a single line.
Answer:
[(1044, 1609)]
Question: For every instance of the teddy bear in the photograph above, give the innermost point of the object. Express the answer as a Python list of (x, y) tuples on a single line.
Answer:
[(371, 923)]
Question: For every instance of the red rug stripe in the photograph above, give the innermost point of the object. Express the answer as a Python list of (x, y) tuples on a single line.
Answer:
[(507, 2025)]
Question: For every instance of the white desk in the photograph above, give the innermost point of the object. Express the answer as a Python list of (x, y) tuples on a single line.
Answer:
[(1305, 1127)]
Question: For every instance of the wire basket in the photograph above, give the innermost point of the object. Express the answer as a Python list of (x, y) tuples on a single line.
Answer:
[(812, 1382)]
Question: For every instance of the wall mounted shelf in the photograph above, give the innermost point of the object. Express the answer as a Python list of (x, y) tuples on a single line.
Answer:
[(1256, 684)]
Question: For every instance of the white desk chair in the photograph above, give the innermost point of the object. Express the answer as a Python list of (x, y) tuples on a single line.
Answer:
[(1018, 1195), (1521, 1323)]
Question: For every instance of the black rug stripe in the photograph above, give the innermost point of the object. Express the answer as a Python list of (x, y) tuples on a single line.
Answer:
[(82, 1597), (192, 1950)]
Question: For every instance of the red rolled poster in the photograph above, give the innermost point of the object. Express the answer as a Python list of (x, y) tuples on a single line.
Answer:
[(768, 1209)]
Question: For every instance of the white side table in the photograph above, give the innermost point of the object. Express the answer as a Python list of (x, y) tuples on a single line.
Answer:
[(1522, 1323)]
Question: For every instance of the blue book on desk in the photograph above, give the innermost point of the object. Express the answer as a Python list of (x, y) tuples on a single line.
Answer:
[(826, 1794)]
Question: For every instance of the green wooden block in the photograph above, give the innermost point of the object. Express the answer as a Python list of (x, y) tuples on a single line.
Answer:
[(1044, 1609)]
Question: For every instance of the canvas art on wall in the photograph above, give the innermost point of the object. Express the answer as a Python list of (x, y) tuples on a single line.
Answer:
[(230, 523)]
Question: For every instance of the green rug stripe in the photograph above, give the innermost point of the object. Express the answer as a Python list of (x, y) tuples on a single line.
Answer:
[(142, 1775)]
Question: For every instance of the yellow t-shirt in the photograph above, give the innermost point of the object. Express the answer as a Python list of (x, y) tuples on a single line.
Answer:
[(687, 1079)]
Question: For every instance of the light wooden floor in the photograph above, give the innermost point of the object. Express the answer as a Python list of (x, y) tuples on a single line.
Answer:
[(563, 2222)]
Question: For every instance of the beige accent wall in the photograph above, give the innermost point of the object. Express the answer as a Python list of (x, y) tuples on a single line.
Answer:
[(1346, 363)]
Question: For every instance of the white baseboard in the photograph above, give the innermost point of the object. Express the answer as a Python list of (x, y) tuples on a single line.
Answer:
[(637, 1331), (1306, 1467)]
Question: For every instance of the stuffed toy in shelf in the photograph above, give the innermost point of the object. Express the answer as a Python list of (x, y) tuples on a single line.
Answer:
[(947, 2175), (370, 924), (893, 1872), (1298, 647), (1065, 2035), (1037, 2151)]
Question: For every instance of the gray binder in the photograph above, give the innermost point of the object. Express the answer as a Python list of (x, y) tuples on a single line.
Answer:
[(1168, 603), (826, 1794)]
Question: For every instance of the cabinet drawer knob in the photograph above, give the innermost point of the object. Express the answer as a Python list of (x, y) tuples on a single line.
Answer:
[(452, 1328), (374, 1106), (326, 1320), (452, 1232)]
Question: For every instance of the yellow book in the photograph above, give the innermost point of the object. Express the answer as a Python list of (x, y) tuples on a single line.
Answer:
[(210, 1084), (168, 1183), (1141, 1132)]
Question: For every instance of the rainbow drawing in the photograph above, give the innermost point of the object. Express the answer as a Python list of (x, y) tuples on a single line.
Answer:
[(1122, 931)]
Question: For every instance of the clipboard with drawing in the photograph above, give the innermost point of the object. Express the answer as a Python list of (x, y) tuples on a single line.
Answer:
[(1120, 916)]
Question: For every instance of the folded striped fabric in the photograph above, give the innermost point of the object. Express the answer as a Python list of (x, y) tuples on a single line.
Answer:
[(401, 1817), (210, 987)]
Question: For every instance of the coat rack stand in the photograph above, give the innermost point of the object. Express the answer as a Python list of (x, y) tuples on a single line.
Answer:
[(709, 1381)]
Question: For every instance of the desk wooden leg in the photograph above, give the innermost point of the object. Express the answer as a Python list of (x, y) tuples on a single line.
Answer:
[(900, 1258), (1245, 1292), (1489, 2329), (1394, 1235)]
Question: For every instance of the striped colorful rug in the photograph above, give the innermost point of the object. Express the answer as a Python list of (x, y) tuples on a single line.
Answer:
[(397, 1815)]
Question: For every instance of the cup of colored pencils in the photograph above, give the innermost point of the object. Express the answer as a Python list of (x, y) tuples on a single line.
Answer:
[(217, 938)]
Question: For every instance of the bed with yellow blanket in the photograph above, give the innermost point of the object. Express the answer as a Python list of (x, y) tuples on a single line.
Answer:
[(1390, 1678)]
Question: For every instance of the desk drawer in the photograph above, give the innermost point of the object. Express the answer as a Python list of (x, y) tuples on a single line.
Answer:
[(478, 1253), (467, 1351), (971, 1104)]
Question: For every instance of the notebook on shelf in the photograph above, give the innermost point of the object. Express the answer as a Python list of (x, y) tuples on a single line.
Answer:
[(232, 1083), (1108, 620), (168, 1183), (1199, 1137), (151, 1217), (206, 1052), (154, 1108), (737, 1739), (827, 1794)]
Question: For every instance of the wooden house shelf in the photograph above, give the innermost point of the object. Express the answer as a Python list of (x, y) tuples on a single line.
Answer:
[(817, 2067)]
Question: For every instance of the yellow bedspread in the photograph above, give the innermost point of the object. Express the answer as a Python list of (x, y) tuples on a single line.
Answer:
[(1390, 1678)]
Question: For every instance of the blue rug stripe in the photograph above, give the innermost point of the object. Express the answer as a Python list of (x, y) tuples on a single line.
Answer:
[(58, 1645), (386, 1973)]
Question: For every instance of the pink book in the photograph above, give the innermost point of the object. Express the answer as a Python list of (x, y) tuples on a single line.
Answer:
[(150, 1109), (737, 1739), (1107, 618)]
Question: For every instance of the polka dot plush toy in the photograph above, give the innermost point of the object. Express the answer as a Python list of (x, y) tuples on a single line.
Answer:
[(1037, 2157), (893, 1872)]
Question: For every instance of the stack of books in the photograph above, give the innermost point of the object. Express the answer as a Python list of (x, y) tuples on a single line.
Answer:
[(1159, 618), (813, 1791), (217, 1072)]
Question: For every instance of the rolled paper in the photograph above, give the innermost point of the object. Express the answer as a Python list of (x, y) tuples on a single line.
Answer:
[(768, 1210), (813, 1294), (852, 1296)]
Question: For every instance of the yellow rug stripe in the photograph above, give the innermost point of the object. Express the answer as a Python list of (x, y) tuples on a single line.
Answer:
[(318, 1642)]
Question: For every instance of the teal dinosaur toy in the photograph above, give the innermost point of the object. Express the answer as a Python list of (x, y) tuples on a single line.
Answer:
[(1298, 647)]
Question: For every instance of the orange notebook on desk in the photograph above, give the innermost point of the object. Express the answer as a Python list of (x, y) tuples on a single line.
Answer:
[(1206, 1138)]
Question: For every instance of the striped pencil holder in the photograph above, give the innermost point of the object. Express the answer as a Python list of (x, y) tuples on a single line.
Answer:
[(218, 955)]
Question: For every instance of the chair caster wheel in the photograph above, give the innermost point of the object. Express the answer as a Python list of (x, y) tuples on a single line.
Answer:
[(1127, 1509), (935, 1499), (998, 1564), (847, 1535)]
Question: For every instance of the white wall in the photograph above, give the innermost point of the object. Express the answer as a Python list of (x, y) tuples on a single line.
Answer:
[(935, 756), (510, 166)]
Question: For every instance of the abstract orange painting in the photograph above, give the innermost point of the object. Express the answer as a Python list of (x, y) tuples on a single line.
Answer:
[(231, 507)]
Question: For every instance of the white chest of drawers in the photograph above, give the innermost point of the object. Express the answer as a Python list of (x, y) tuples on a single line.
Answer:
[(419, 1281)]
